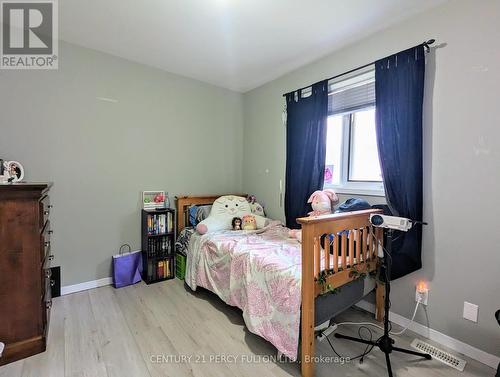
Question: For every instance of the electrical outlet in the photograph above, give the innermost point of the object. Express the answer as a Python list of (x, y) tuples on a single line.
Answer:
[(470, 311), (422, 294)]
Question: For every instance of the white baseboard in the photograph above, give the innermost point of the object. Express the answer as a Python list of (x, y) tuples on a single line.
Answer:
[(86, 285), (438, 337)]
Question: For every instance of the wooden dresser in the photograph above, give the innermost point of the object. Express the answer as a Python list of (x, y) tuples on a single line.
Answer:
[(25, 257)]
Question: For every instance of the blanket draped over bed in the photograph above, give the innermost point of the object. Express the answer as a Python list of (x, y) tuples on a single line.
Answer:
[(258, 272)]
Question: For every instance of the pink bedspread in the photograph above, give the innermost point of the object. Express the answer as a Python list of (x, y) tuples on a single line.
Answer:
[(260, 273)]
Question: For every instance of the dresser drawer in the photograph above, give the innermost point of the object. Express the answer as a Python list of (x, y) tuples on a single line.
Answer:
[(45, 208)]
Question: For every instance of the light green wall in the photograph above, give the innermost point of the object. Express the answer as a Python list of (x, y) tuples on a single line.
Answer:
[(165, 132), (461, 254)]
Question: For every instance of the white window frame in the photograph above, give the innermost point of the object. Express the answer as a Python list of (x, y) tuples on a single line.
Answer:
[(352, 187)]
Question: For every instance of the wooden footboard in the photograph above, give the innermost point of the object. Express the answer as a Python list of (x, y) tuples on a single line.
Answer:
[(336, 249)]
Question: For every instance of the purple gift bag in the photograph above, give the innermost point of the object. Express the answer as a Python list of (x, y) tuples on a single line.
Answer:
[(127, 267)]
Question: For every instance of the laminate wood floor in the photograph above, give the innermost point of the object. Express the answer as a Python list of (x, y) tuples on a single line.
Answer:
[(166, 330)]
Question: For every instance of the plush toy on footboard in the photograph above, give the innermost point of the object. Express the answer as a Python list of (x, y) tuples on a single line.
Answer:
[(322, 203), (224, 210)]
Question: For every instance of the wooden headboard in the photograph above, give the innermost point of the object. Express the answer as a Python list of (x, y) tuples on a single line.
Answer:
[(184, 202)]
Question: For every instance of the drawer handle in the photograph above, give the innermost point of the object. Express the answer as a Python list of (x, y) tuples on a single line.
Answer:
[(50, 206), (48, 273), (52, 283), (46, 213), (50, 231), (48, 304), (46, 243), (51, 257)]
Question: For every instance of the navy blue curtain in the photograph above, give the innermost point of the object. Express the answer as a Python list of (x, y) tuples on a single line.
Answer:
[(399, 91), (305, 149)]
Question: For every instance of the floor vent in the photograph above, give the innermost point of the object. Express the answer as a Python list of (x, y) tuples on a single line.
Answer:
[(440, 355)]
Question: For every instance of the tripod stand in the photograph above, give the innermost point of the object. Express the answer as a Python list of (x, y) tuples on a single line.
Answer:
[(385, 342)]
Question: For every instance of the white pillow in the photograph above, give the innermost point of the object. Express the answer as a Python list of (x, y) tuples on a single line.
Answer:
[(224, 210)]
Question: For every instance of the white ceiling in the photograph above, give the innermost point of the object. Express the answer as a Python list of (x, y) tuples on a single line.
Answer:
[(236, 44)]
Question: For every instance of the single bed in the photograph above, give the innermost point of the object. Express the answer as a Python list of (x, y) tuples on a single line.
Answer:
[(281, 285)]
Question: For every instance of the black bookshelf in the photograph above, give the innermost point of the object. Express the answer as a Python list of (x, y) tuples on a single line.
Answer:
[(158, 245)]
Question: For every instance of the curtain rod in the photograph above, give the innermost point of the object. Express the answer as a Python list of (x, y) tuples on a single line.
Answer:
[(425, 44)]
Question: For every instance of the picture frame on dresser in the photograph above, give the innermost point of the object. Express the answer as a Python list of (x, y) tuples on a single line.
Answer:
[(25, 274)]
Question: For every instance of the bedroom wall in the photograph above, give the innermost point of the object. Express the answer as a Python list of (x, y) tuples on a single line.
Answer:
[(460, 246), (163, 132)]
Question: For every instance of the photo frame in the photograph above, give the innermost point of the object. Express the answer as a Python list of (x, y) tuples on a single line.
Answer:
[(11, 171), (154, 199)]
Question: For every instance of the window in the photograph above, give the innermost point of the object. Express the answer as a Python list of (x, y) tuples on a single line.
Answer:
[(352, 162), (364, 165)]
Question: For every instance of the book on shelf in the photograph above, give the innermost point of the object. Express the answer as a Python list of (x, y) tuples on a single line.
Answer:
[(170, 222), (160, 223), (161, 246), (162, 270)]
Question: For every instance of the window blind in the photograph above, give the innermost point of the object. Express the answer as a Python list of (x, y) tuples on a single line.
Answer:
[(352, 94)]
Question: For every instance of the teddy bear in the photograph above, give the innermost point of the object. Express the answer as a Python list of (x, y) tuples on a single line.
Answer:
[(322, 202)]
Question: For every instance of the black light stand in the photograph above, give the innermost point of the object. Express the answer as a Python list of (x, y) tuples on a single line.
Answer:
[(385, 342)]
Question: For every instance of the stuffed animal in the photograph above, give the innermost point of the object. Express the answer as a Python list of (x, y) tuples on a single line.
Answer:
[(224, 210), (255, 207), (236, 223), (248, 222), (322, 203)]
